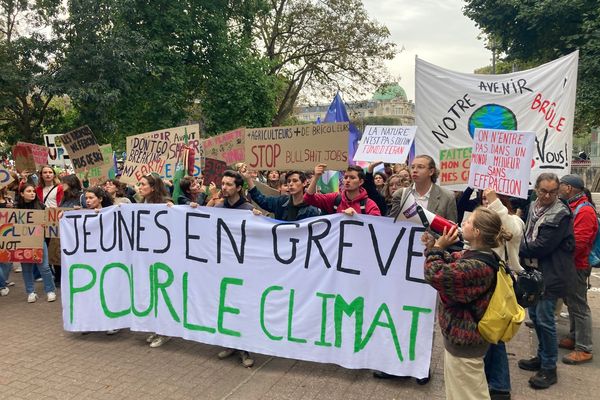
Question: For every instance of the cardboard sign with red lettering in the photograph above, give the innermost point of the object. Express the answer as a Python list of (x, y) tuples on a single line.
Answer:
[(228, 147), (83, 149), (385, 143), (455, 165), (159, 151), (39, 153), (502, 160), (297, 147), (21, 235), (213, 171)]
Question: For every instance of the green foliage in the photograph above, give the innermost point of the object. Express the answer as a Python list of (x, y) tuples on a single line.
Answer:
[(537, 31), (320, 46)]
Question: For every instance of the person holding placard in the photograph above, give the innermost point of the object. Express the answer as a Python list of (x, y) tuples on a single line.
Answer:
[(49, 190), (352, 200), (426, 192), (548, 245), (28, 200)]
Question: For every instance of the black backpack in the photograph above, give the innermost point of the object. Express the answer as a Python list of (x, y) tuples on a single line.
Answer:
[(338, 201)]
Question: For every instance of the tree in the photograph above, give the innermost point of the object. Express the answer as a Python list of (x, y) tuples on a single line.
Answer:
[(537, 31), (316, 45), (29, 61)]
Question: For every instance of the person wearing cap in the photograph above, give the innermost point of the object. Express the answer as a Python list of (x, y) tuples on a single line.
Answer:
[(585, 227)]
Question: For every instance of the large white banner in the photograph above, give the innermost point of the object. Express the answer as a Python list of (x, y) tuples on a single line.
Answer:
[(451, 105), (333, 289)]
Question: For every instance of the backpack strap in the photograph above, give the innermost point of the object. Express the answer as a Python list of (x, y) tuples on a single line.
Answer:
[(337, 202), (585, 203)]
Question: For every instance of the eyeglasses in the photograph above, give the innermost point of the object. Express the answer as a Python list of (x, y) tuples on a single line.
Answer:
[(544, 192)]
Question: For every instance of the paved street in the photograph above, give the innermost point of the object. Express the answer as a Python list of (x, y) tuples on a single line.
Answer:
[(41, 361)]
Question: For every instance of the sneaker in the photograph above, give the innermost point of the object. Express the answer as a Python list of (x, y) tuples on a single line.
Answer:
[(225, 353), (150, 338), (577, 357), (159, 341), (9, 284), (566, 343), (17, 268), (38, 279), (4, 291), (51, 297), (247, 361), (564, 314), (112, 331), (543, 379), (32, 298), (533, 364)]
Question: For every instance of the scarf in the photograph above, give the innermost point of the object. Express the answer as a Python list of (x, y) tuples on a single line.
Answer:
[(537, 212)]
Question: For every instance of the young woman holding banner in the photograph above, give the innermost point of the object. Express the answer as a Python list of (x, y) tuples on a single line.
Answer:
[(28, 200), (153, 191)]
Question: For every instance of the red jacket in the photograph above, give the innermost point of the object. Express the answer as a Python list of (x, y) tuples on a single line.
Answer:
[(59, 194), (585, 227), (326, 202)]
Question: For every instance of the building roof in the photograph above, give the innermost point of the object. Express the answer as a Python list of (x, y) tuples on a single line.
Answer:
[(389, 91)]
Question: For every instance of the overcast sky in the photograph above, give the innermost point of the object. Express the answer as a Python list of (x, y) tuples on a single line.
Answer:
[(435, 30)]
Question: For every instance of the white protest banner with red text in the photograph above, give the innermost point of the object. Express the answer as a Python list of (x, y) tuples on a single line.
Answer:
[(385, 143), (330, 289), (501, 160), (451, 105)]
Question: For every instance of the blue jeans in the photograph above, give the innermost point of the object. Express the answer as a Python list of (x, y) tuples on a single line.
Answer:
[(542, 315), (45, 271), (4, 271), (496, 367)]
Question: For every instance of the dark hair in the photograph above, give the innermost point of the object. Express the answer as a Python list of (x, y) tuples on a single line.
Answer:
[(186, 183), (301, 175), (159, 194), (361, 172), (121, 187), (100, 193), (74, 187), (431, 161), (239, 180), (588, 194), (546, 176), (381, 174), (35, 204)]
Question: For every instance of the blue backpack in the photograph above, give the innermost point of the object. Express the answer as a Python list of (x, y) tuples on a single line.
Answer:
[(594, 258)]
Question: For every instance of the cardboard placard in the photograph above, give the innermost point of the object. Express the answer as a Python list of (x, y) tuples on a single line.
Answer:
[(83, 148), (39, 153), (21, 235), (102, 172), (297, 147), (159, 151), (5, 177), (385, 143), (502, 160), (57, 154), (23, 157), (228, 146), (213, 171), (454, 166)]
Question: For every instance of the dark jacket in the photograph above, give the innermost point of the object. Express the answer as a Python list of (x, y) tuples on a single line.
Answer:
[(374, 194), (326, 202), (553, 248), (278, 205), (183, 199)]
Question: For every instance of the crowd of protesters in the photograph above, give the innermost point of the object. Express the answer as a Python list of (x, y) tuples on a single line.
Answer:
[(553, 232)]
